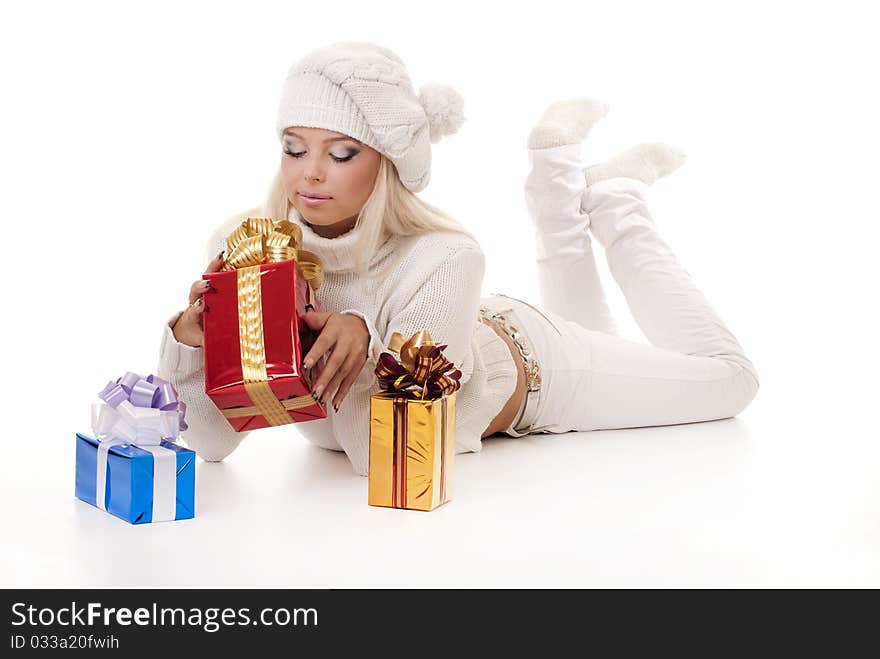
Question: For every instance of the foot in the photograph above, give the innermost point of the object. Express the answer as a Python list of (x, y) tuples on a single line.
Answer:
[(646, 162), (566, 122)]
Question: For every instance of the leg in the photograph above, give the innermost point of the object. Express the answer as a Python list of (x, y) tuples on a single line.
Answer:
[(695, 370), (626, 384), (568, 279), (668, 307), (596, 381)]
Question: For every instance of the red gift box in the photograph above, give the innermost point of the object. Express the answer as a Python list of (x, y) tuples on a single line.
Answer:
[(254, 340)]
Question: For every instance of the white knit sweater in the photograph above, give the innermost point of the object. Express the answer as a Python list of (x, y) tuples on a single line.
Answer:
[(435, 286)]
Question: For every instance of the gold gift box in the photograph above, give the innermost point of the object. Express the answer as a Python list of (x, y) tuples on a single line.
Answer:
[(412, 451)]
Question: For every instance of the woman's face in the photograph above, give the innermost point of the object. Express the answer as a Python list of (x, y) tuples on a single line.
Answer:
[(327, 164)]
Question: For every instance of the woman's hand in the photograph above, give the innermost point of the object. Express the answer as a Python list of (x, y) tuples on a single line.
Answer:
[(348, 338), (188, 328)]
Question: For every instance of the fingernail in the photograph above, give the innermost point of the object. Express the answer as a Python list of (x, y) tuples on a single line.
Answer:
[(336, 408), (206, 283), (309, 306), (307, 362), (319, 390), (222, 252), (199, 302)]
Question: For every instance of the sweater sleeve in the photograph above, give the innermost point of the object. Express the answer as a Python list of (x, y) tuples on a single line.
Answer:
[(447, 305), (208, 433)]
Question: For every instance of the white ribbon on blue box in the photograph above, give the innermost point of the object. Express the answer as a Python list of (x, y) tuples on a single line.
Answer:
[(132, 468)]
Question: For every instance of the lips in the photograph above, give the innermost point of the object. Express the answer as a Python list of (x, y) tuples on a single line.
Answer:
[(313, 195)]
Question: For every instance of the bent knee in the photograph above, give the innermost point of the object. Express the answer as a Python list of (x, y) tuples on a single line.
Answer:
[(746, 386)]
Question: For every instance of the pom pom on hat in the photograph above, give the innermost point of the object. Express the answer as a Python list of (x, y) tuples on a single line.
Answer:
[(445, 109)]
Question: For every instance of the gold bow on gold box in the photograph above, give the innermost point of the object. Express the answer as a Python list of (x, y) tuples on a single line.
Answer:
[(412, 425)]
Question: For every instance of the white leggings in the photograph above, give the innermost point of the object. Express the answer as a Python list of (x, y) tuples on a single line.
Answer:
[(592, 379)]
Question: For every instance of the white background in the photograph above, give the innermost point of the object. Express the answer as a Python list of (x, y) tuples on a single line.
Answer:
[(130, 131)]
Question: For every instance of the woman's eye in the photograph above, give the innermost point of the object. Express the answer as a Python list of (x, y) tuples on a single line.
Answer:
[(348, 156), (300, 154)]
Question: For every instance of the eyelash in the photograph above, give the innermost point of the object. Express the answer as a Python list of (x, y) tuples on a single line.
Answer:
[(300, 154)]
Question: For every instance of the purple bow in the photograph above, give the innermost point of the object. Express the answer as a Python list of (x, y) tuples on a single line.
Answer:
[(151, 391)]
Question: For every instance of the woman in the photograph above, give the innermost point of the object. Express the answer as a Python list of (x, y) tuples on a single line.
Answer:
[(356, 146)]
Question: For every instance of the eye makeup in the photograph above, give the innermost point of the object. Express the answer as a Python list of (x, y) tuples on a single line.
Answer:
[(348, 154)]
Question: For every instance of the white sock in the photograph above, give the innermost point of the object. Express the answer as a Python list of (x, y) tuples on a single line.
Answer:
[(646, 162), (566, 122)]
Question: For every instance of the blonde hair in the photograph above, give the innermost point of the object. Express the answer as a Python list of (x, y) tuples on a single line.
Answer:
[(391, 210)]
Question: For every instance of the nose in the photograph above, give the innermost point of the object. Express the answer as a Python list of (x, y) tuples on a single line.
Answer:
[(313, 172)]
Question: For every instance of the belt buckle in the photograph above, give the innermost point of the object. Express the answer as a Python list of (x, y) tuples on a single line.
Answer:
[(533, 376), (532, 367)]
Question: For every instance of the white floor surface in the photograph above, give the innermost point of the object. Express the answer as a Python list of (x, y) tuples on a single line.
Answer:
[(759, 500)]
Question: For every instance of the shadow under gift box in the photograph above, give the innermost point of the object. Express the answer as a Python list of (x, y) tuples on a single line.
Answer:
[(129, 484), (412, 451), (271, 319)]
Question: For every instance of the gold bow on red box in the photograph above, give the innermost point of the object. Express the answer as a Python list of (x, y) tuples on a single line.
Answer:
[(255, 335), (260, 240)]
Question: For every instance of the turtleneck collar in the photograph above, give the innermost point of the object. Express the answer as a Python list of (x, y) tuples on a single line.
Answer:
[(337, 254)]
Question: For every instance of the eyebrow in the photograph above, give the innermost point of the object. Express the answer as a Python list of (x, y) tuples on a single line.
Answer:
[(329, 139)]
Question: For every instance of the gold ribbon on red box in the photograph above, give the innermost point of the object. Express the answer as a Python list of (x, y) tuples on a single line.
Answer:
[(257, 241)]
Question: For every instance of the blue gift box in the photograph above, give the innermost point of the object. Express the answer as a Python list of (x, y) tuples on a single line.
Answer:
[(129, 483)]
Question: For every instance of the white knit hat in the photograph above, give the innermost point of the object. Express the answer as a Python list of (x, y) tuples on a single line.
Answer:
[(362, 90)]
